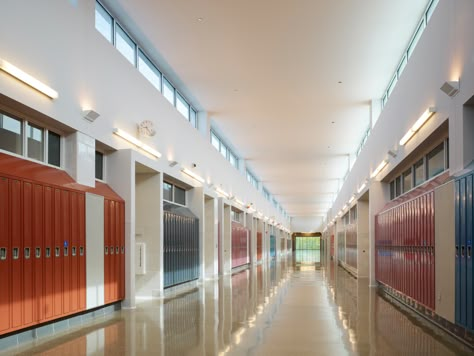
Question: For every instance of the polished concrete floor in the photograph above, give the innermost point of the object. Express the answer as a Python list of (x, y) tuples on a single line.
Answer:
[(297, 306)]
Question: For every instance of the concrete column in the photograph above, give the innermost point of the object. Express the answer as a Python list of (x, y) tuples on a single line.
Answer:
[(195, 202), (80, 158), (210, 247), (378, 196)]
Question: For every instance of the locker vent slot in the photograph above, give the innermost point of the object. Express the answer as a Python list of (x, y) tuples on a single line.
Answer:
[(38, 252), (57, 251), (16, 253), (81, 251), (74, 250), (3, 253), (27, 253), (48, 252)]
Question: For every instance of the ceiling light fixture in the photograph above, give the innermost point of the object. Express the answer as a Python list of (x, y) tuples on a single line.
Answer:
[(27, 79), (223, 193), (238, 201), (362, 187), (90, 115), (379, 168), (126, 136), (351, 199), (450, 88), (193, 175), (417, 125)]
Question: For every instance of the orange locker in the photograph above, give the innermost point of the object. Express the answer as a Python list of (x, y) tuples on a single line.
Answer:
[(5, 257), (28, 296), (74, 295), (65, 243), (57, 256), (37, 249), (112, 272), (122, 250), (117, 252), (106, 251), (48, 269), (82, 251)]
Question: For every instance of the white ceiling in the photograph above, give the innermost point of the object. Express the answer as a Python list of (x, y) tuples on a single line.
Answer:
[(267, 71)]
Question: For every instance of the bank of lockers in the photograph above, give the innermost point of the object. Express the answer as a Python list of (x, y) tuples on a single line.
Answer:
[(181, 245), (259, 246), (464, 209), (240, 244), (351, 244), (42, 244), (404, 249), (272, 246)]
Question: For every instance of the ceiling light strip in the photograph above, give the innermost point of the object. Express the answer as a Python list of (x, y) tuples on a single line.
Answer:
[(193, 175), (223, 193), (126, 136), (379, 168), (27, 79), (417, 125)]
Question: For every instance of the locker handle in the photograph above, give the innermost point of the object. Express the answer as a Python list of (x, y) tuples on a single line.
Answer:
[(106, 250), (111, 250), (3, 253), (457, 250), (117, 250), (57, 252), (38, 252), (462, 250), (74, 250), (16, 253), (123, 250), (81, 251), (48, 252), (66, 251), (27, 253), (469, 251)]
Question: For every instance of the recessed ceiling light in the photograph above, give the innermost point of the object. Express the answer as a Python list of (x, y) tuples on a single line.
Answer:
[(200, 19)]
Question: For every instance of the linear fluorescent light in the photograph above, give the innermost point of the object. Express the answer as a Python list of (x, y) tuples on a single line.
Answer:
[(27, 79), (126, 136), (223, 193), (351, 199), (362, 187), (417, 125), (238, 201), (379, 168), (193, 175)]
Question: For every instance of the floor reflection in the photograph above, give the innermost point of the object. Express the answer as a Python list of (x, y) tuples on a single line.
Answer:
[(298, 305)]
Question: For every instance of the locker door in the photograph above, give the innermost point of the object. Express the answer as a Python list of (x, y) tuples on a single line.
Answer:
[(38, 249), (57, 256), (106, 251), (28, 266), (66, 247), (122, 250), (459, 227), (5, 257), (112, 274), (165, 249), (462, 248), (74, 296), (16, 226), (468, 252), (117, 251), (82, 250), (48, 254)]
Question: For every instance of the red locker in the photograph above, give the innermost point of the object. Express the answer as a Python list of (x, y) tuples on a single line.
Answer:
[(38, 249), (113, 272), (57, 255), (82, 251), (117, 252), (66, 241), (48, 255), (17, 249), (122, 250), (73, 253), (5, 257), (28, 296)]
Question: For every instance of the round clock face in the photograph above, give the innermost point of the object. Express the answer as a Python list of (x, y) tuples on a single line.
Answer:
[(146, 128)]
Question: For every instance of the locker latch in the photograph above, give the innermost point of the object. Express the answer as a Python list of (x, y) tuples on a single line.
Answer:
[(3, 253), (57, 251), (457, 250), (462, 250), (27, 253), (66, 251), (106, 250), (111, 250), (16, 253), (38, 252), (469, 251), (81, 251), (74, 250), (48, 252)]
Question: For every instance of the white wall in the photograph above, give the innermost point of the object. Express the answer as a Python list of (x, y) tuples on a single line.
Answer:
[(61, 47), (306, 224)]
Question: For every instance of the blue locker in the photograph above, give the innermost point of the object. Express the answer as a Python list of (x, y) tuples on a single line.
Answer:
[(272, 246), (462, 246)]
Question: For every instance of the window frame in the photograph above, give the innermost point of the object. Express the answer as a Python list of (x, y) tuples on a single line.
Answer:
[(103, 179), (173, 196)]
